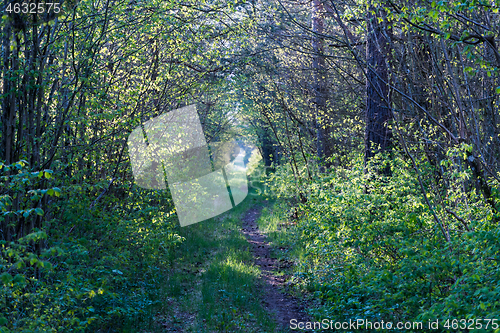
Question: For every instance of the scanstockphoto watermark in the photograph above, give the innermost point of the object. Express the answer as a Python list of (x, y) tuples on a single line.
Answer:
[(260, 182), (358, 324), (364, 324), (205, 180)]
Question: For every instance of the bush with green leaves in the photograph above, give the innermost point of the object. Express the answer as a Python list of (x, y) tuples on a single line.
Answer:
[(374, 248), (89, 269)]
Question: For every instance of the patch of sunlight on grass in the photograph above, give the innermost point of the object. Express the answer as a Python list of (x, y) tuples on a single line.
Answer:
[(239, 268), (230, 297), (213, 285), (275, 223)]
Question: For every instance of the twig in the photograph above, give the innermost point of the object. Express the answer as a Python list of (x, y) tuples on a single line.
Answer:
[(458, 218), (102, 193)]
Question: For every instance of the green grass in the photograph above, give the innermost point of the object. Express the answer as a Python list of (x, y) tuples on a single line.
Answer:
[(212, 283), (285, 241)]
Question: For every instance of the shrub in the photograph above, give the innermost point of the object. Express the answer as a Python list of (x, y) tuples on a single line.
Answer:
[(85, 269), (374, 251)]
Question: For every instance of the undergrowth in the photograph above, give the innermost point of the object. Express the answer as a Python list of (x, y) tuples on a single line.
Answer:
[(121, 263), (368, 246), (99, 269)]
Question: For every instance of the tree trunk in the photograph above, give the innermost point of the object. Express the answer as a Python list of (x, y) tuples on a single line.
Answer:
[(378, 134), (320, 88), (267, 149)]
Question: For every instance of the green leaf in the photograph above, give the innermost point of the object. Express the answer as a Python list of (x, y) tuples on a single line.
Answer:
[(45, 264), (6, 278), (57, 191), (19, 279), (39, 211)]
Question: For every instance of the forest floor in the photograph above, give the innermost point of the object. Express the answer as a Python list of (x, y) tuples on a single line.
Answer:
[(273, 278), (229, 276)]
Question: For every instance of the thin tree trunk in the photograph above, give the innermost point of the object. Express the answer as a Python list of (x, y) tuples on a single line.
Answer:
[(378, 114), (320, 88)]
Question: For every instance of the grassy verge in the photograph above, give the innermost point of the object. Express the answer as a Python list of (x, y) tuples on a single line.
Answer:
[(212, 284), (286, 245)]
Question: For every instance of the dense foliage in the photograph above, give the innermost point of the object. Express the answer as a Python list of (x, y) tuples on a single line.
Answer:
[(377, 121), (377, 254), (98, 266)]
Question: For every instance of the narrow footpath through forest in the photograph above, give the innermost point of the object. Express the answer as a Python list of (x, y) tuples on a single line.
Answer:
[(283, 306)]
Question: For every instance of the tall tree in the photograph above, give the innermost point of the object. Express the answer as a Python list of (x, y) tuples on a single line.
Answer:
[(320, 88), (378, 114)]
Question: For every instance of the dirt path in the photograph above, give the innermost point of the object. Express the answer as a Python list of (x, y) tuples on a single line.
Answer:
[(282, 305)]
